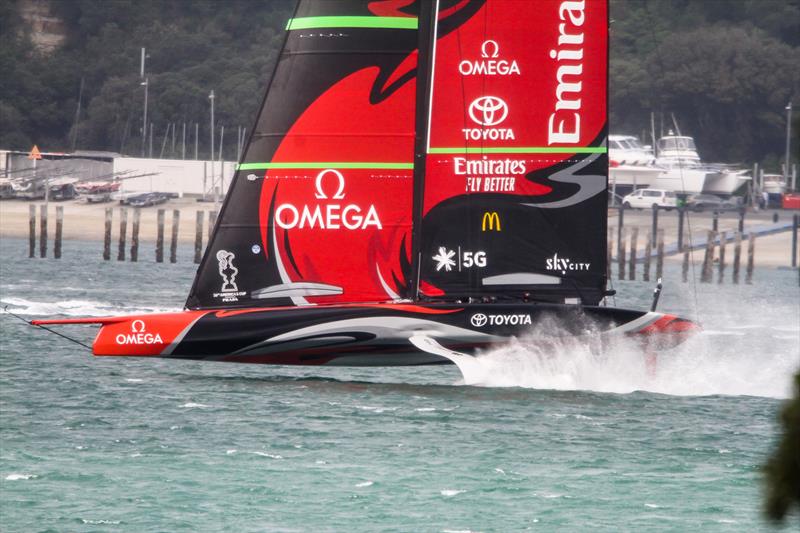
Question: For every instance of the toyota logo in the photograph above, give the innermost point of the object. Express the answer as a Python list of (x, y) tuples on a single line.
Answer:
[(488, 110), (478, 320)]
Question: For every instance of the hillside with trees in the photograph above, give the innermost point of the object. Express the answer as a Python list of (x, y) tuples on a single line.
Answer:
[(725, 69)]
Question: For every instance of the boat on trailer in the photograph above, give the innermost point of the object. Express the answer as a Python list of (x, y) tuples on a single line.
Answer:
[(425, 180)]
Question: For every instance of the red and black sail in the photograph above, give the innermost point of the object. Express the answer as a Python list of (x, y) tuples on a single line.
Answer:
[(516, 166), (416, 149), (320, 208)]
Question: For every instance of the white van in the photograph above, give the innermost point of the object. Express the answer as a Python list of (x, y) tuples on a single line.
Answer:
[(649, 198)]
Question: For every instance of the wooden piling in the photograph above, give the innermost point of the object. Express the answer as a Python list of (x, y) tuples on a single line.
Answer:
[(721, 275), (632, 261), (123, 229), (610, 247), (795, 226), (737, 256), (685, 266), (160, 237), (708, 260), (107, 234), (647, 254), (43, 230), (212, 221), (751, 251), (59, 231), (173, 245), (621, 256), (660, 254), (654, 231), (135, 236), (198, 236), (32, 234)]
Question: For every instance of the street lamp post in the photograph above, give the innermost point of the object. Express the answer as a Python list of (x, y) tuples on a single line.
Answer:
[(213, 177), (146, 85), (787, 165)]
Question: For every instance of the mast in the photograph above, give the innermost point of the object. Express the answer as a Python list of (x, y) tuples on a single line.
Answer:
[(427, 43)]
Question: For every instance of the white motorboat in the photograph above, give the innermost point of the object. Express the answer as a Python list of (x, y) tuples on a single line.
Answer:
[(685, 173), (631, 165)]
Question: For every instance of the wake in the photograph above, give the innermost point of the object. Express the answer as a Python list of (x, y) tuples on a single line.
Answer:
[(759, 362)]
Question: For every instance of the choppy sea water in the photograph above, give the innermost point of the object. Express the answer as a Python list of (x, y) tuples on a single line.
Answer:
[(537, 438)]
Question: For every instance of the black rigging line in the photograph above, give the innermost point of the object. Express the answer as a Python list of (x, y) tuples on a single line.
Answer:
[(76, 341)]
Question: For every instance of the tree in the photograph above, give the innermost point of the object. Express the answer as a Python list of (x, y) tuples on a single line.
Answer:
[(782, 470)]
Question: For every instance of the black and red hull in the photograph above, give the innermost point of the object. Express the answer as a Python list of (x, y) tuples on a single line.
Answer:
[(367, 334)]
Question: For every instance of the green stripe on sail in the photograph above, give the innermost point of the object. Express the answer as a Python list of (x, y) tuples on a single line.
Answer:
[(397, 23), (520, 150), (322, 165)]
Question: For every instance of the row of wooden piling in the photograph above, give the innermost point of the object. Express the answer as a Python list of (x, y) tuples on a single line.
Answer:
[(706, 275), (43, 231), (123, 231), (160, 231)]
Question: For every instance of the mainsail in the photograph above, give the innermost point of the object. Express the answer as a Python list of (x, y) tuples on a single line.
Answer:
[(516, 170), (422, 150)]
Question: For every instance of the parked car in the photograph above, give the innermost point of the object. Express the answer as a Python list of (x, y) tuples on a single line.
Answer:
[(147, 199), (703, 202), (649, 198)]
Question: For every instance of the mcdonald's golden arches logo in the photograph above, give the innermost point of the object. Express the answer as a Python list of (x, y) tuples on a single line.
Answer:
[(491, 220)]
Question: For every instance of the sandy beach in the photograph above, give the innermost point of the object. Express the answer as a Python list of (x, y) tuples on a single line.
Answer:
[(84, 221)]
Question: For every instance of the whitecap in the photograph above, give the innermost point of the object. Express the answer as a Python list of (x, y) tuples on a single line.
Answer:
[(425, 409), (653, 505), (192, 404), (22, 306), (549, 495), (17, 477), (230, 452), (365, 484), (270, 455), (449, 493), (98, 522), (134, 380)]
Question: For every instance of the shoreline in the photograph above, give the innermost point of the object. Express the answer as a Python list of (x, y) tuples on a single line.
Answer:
[(86, 222)]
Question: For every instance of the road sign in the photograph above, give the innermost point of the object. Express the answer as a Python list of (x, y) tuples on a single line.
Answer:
[(35, 153)]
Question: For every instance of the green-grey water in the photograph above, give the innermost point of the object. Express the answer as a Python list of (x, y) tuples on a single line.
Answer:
[(553, 439)]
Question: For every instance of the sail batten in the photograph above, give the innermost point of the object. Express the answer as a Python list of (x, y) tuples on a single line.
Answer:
[(397, 23)]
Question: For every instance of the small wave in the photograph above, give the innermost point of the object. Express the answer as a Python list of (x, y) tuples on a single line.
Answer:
[(100, 522), (134, 380), (275, 456), (365, 484), (21, 306), (549, 495), (190, 405), (449, 493), (653, 505), (230, 452), (17, 477), (425, 409)]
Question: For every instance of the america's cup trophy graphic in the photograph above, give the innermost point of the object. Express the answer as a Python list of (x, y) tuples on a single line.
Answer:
[(227, 271)]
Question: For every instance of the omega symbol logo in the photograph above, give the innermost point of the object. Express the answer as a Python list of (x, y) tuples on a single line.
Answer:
[(137, 326), (490, 49), (321, 192), (488, 110), (479, 320)]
